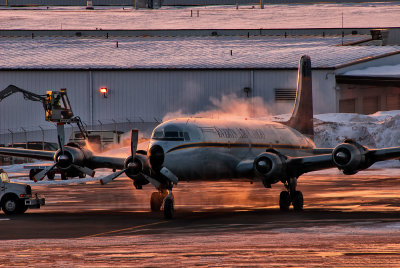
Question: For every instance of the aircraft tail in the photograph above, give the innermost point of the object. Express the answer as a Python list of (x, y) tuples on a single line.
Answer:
[(302, 116)]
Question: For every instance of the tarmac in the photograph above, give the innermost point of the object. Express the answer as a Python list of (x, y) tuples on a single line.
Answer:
[(348, 221)]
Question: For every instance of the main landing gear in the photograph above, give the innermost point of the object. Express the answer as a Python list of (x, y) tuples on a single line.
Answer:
[(291, 196), (160, 198)]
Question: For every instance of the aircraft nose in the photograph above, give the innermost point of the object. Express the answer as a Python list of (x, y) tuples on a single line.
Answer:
[(156, 157)]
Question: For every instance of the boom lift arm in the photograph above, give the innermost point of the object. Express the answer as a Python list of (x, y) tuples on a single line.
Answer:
[(55, 103), (11, 89)]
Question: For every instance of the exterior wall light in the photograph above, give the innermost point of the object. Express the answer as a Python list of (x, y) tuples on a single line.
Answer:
[(104, 92)]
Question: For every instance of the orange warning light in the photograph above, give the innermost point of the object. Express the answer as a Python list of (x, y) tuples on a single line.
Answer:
[(104, 91)]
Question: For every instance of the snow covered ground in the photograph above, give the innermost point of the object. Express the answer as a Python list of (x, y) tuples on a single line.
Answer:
[(322, 15)]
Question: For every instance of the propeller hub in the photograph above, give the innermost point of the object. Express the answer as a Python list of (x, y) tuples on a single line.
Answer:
[(342, 157), (131, 165), (63, 161), (264, 166)]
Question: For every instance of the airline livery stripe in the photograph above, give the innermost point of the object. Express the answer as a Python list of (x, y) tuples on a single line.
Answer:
[(240, 145)]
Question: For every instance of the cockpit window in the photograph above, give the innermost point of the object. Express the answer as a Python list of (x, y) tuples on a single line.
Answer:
[(171, 133)]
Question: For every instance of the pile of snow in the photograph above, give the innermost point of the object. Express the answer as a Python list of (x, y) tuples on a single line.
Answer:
[(376, 130)]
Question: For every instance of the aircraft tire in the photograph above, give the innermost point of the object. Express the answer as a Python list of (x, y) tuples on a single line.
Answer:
[(51, 176), (10, 205), (298, 201), (284, 201), (155, 201), (169, 208), (32, 173)]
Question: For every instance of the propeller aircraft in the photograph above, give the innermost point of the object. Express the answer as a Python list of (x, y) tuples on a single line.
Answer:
[(207, 149)]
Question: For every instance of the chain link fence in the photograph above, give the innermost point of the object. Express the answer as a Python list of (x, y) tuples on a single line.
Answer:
[(20, 137)]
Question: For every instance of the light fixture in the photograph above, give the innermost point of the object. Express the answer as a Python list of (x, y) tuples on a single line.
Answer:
[(104, 91)]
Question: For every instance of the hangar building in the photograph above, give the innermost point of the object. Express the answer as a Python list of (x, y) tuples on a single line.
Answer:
[(150, 74)]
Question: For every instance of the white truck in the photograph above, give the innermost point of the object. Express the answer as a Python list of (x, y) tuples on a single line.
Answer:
[(16, 198)]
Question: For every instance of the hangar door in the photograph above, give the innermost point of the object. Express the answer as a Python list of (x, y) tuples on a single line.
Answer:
[(368, 95)]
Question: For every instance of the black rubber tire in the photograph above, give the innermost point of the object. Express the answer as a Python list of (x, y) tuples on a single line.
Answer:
[(64, 176), (22, 207), (10, 205), (298, 201), (51, 175), (32, 173), (284, 201), (156, 201), (169, 208)]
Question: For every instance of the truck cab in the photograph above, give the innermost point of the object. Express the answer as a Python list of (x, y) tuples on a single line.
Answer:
[(16, 198)]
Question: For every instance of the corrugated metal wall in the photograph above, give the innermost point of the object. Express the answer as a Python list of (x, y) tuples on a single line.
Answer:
[(142, 96)]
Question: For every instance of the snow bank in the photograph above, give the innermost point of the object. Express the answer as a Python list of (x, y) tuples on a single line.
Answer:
[(375, 131)]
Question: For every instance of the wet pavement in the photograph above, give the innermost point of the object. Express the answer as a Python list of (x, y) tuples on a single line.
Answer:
[(348, 221)]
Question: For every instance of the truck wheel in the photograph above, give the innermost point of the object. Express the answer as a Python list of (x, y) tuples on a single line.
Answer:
[(22, 207), (10, 205)]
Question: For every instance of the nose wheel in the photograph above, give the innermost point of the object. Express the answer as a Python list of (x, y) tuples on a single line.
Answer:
[(169, 206), (163, 197), (291, 196)]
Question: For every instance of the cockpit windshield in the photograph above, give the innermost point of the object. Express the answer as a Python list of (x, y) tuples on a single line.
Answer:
[(170, 133)]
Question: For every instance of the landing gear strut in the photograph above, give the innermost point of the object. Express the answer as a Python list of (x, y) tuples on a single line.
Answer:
[(163, 197), (291, 196)]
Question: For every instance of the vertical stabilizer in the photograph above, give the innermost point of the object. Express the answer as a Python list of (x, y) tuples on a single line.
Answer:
[(302, 116)]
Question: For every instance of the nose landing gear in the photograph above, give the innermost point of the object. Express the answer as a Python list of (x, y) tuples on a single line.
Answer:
[(291, 196), (163, 197)]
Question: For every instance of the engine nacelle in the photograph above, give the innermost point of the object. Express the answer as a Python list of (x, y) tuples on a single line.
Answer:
[(350, 157), (271, 167), (72, 155), (135, 168)]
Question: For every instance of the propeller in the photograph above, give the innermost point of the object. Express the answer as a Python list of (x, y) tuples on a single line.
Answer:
[(61, 159), (134, 143), (156, 161)]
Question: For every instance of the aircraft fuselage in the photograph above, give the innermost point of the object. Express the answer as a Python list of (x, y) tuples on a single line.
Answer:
[(207, 149)]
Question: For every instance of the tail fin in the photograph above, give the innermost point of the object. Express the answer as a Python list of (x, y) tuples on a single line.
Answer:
[(302, 116)]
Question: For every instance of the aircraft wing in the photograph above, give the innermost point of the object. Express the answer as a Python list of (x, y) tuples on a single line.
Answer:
[(36, 154), (94, 161), (107, 162), (273, 166), (351, 157)]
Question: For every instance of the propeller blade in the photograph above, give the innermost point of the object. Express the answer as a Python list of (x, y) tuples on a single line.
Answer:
[(61, 136), (43, 173), (85, 170), (134, 142), (155, 182), (168, 173), (111, 177)]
